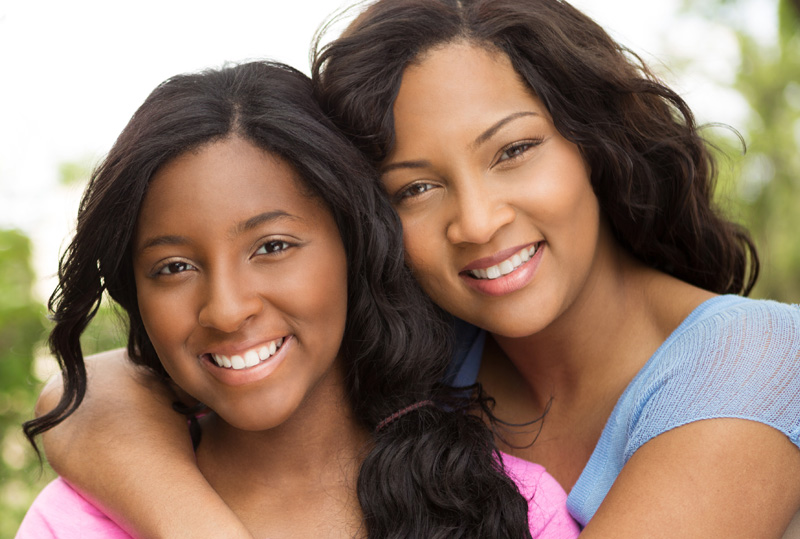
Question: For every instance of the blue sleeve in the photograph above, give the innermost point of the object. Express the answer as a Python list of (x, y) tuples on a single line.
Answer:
[(743, 362), (467, 352)]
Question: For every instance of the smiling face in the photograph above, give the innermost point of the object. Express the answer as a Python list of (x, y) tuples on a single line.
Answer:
[(500, 222), (241, 282)]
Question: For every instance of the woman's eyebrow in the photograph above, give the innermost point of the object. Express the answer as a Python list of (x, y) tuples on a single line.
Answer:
[(489, 133), (483, 137)]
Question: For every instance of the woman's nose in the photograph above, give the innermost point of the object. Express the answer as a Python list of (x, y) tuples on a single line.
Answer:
[(230, 301), (478, 215)]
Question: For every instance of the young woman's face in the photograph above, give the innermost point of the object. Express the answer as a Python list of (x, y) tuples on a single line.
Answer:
[(241, 282), (500, 222)]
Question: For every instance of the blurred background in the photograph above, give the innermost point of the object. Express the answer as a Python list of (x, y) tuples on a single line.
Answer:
[(73, 73)]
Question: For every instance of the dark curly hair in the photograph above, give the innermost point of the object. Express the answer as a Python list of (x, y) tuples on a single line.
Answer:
[(431, 473), (650, 168)]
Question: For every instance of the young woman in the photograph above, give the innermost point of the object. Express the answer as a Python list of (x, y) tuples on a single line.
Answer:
[(557, 196), (262, 274)]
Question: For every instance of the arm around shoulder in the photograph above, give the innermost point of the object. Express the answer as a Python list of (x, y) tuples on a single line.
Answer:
[(130, 453)]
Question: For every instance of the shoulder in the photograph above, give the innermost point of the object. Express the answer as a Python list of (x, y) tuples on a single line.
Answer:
[(749, 321), (60, 512), (735, 336), (731, 358), (547, 502)]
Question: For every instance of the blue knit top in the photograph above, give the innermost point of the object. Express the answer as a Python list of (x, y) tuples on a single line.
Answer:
[(731, 357)]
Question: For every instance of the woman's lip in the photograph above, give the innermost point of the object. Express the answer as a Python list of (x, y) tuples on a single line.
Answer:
[(489, 261), (511, 282)]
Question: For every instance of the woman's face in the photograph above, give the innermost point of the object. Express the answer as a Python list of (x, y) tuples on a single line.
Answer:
[(500, 222), (241, 282)]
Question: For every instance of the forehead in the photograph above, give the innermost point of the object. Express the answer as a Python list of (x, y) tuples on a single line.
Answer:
[(220, 184), (456, 77)]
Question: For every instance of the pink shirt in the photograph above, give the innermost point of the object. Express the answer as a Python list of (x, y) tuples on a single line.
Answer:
[(548, 517), (60, 512)]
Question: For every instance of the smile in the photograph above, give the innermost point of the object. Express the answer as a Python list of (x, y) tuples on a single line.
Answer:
[(506, 266), (250, 358)]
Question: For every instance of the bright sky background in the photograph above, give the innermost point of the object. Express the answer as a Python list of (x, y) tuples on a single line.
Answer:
[(73, 72)]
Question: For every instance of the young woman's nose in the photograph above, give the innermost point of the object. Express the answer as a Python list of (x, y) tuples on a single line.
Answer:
[(477, 214), (229, 303)]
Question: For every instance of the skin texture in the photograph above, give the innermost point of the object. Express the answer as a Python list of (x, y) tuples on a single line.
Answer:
[(229, 257), (478, 172), (490, 179)]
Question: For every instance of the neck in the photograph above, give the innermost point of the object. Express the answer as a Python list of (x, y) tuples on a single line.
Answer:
[(597, 345), (303, 470)]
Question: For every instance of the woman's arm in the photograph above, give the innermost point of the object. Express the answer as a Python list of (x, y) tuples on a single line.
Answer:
[(711, 478), (130, 453)]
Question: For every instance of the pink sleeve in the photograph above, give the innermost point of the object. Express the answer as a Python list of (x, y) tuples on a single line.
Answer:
[(60, 512), (547, 502)]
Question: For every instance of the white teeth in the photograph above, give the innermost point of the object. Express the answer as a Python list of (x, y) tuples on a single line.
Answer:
[(506, 266), (250, 358)]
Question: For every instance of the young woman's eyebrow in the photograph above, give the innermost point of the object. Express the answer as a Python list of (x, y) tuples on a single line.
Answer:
[(489, 133), (240, 228), (157, 241), (260, 219)]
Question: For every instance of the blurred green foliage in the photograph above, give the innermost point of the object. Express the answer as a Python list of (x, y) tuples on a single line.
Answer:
[(24, 364), (22, 327), (762, 186), (74, 172)]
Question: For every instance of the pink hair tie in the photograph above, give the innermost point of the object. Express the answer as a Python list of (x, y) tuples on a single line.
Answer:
[(404, 411)]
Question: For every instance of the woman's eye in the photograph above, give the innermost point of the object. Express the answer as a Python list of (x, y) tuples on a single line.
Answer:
[(516, 150), (174, 267), (413, 190), (274, 246)]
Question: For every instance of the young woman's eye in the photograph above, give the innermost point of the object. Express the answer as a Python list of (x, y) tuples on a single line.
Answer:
[(274, 246), (517, 150), (174, 267), (413, 190)]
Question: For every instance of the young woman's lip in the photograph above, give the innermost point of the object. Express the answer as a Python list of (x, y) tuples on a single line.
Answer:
[(489, 261), (241, 348), (238, 377)]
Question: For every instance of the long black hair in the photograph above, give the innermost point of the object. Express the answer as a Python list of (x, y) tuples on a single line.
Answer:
[(433, 472), (650, 168)]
